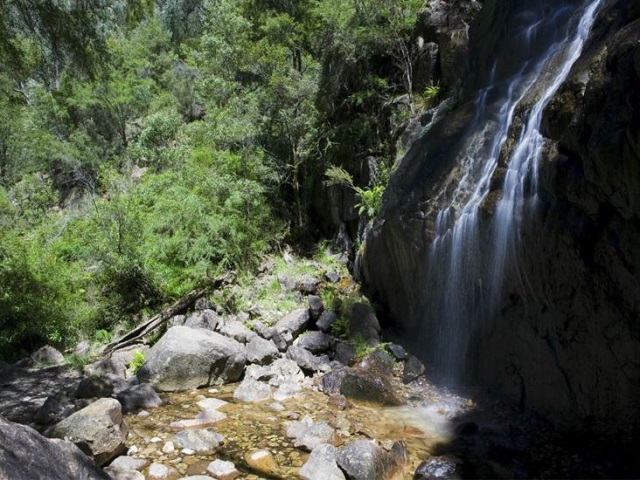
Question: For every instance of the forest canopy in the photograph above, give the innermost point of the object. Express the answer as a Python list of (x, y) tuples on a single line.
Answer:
[(148, 145)]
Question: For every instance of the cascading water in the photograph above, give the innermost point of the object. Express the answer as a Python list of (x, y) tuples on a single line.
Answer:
[(494, 187)]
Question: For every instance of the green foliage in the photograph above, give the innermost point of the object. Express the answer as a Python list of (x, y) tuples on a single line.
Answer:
[(103, 337), (340, 328), (428, 98), (146, 146), (138, 360), (369, 199)]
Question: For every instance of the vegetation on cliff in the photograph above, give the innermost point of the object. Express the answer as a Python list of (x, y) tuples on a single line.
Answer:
[(147, 146)]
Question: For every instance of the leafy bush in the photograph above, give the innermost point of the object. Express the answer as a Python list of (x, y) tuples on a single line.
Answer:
[(369, 198), (138, 360)]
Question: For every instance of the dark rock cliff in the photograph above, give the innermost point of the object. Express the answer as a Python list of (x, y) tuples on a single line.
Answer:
[(566, 344)]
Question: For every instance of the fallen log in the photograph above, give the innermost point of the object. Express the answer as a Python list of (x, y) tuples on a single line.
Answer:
[(154, 322)]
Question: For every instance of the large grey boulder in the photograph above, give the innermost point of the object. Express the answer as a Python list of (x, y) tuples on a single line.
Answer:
[(98, 430), (25, 454), (186, 358)]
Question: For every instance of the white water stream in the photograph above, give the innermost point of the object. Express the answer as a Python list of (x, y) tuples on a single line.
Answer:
[(468, 266)]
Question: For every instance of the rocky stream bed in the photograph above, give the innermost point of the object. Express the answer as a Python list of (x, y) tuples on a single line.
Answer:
[(246, 396)]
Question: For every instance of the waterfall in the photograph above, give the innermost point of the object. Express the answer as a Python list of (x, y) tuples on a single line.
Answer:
[(493, 190)]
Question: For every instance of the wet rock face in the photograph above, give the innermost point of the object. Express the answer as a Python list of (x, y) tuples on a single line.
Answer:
[(566, 339)]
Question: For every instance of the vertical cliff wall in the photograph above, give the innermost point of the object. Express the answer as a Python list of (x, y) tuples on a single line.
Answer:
[(563, 336)]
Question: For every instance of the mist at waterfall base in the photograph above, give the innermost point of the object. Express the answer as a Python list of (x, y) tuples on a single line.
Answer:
[(491, 194)]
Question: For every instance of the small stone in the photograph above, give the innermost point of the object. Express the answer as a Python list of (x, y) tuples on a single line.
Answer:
[(333, 277), (201, 441), (222, 470), (126, 462), (143, 413), (119, 474), (211, 403), (155, 440), (435, 468), (132, 450), (188, 451), (278, 407), (263, 461), (398, 352), (159, 471), (168, 447)]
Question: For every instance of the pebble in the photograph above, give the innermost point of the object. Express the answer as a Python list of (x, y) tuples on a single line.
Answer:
[(168, 447), (155, 440)]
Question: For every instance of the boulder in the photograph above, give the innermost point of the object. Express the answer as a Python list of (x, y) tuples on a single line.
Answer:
[(25, 454), (233, 328), (98, 430), (345, 352), (413, 369), (315, 306), (138, 396), (307, 360), (261, 351), (315, 342), (107, 366), (282, 371), (307, 285), (363, 323), (252, 390), (47, 356), (398, 351), (365, 460), (94, 387), (207, 319), (322, 465), (186, 358), (368, 388), (262, 330), (326, 320), (289, 327), (332, 277), (54, 410)]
